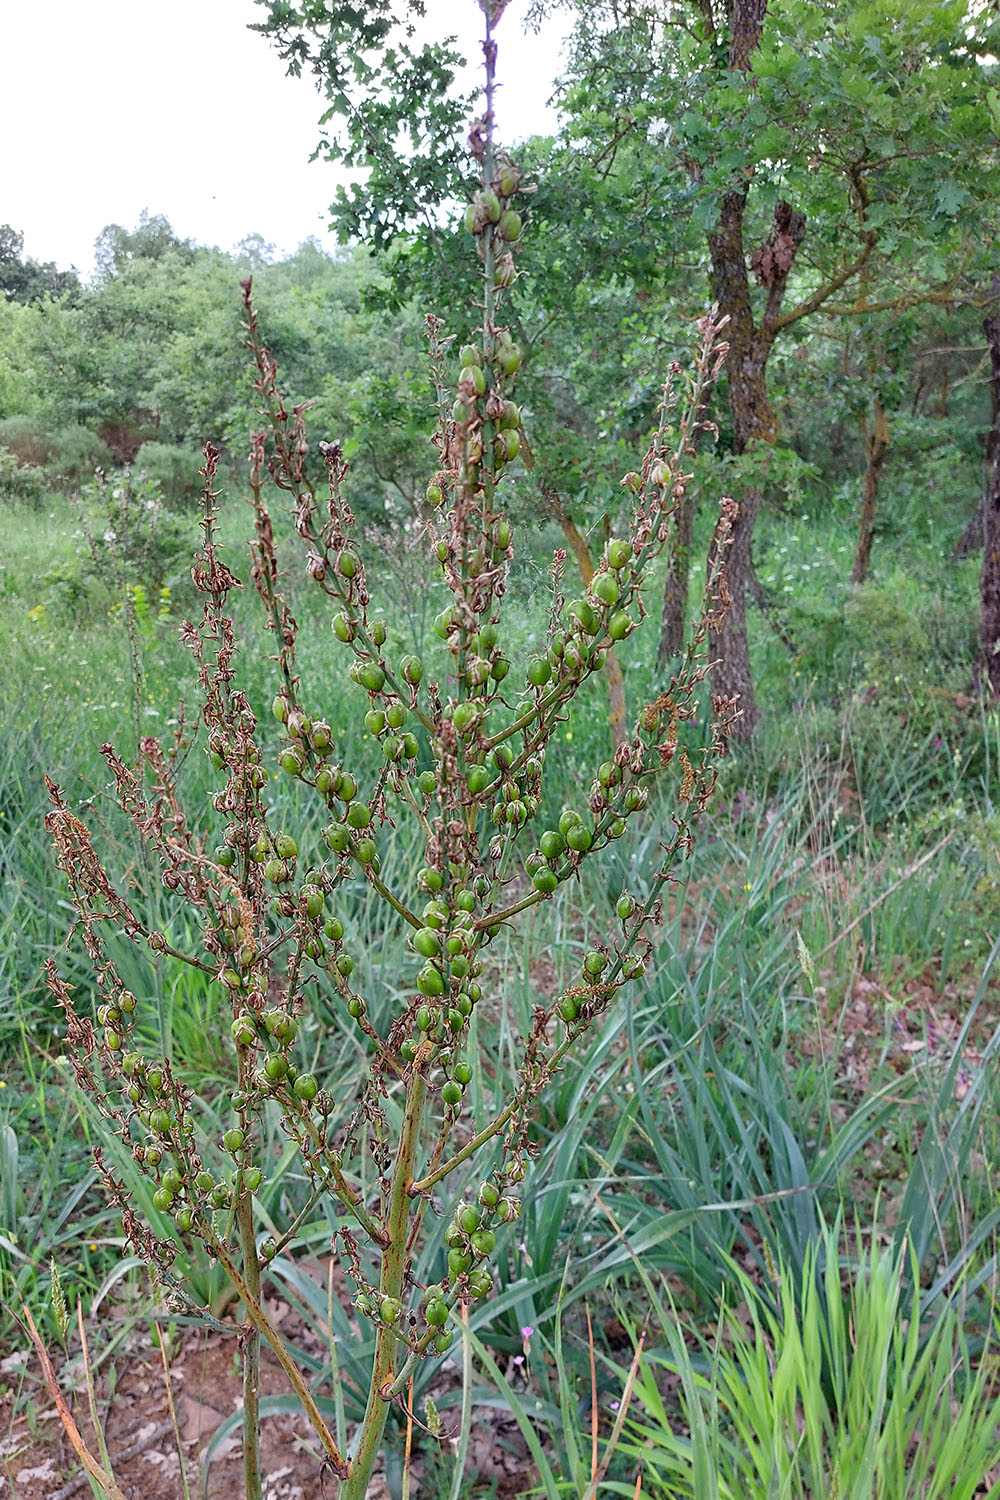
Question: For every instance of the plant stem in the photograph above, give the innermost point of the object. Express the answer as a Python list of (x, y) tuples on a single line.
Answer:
[(260, 1321), (355, 1487), (251, 1353)]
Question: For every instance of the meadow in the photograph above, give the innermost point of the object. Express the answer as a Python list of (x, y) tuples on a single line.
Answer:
[(757, 1247)]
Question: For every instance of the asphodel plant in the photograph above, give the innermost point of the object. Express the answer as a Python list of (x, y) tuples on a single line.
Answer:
[(464, 739)]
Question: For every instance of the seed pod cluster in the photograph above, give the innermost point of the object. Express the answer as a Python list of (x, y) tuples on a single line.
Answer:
[(462, 741)]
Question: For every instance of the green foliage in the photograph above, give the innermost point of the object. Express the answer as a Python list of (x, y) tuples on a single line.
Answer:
[(26, 280), (172, 471), (68, 455), (23, 482), (904, 1410)]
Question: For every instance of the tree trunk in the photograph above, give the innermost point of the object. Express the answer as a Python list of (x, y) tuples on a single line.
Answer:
[(750, 344), (754, 422), (675, 592), (989, 583), (972, 534), (971, 538), (728, 644), (612, 667), (876, 450)]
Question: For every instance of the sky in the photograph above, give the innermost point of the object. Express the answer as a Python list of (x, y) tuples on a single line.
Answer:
[(109, 107)]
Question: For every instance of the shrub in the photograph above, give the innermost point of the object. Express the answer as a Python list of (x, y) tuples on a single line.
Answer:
[(174, 471), (24, 482)]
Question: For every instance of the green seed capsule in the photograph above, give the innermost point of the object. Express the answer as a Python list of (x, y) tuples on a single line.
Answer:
[(337, 838), (372, 677), (430, 981), (427, 943), (510, 226), (347, 563), (545, 880), (594, 964), (465, 717), (162, 1200), (358, 815), (620, 625), (306, 1087), (451, 1093), (389, 1309), (477, 779), (480, 1284), (233, 1140), (412, 670), (605, 589), (468, 1218), (619, 553), (436, 1313), (509, 358), (427, 783), (552, 844), (579, 838)]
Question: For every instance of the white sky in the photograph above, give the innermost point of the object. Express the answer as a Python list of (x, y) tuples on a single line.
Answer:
[(108, 107)]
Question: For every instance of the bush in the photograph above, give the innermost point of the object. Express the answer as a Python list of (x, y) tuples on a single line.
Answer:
[(69, 454), (23, 482), (172, 470), (27, 439), (78, 453)]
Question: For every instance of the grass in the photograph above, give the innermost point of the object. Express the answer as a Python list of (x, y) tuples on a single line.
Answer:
[(713, 1130)]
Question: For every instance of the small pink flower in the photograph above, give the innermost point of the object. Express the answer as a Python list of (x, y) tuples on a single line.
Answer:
[(526, 1332)]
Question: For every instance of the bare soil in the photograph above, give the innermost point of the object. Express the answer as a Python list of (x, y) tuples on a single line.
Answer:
[(37, 1460)]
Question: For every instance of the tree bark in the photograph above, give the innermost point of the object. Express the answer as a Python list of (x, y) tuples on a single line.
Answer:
[(876, 450), (971, 538), (750, 345), (754, 421), (989, 581), (612, 667), (675, 592)]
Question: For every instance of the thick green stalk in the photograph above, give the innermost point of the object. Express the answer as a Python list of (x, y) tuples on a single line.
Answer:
[(355, 1486), (251, 1354)]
